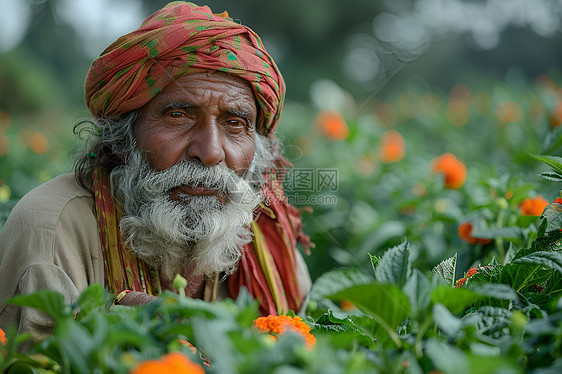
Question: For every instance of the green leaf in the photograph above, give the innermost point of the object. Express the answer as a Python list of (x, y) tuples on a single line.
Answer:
[(74, 343), (374, 261), (553, 140), (337, 280), (90, 299), (554, 162), (521, 275), (548, 259), (525, 221), (418, 288), (48, 301), (510, 254), (446, 269), (446, 321), (20, 368), (394, 267), (488, 320), (553, 215), (549, 242), (489, 364), (386, 303), (496, 291), (508, 233), (386, 231), (552, 176), (341, 321), (212, 337), (338, 322), (454, 299), (447, 358)]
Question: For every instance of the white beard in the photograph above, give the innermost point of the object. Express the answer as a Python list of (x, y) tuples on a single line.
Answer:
[(201, 230)]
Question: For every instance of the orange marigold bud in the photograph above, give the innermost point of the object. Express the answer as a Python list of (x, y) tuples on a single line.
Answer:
[(533, 206), (38, 142), (332, 125), (471, 272), (393, 146), (172, 363), (453, 170), (465, 233), (280, 324), (509, 111), (461, 282), (555, 117), (347, 306), (3, 339)]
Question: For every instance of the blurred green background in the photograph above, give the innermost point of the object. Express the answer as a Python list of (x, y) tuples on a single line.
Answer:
[(479, 79)]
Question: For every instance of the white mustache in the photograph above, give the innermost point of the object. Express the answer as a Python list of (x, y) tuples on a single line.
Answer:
[(192, 173)]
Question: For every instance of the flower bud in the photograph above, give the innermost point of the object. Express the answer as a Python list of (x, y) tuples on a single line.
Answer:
[(501, 203), (180, 283)]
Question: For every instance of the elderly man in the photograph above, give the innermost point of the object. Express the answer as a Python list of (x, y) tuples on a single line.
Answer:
[(180, 175)]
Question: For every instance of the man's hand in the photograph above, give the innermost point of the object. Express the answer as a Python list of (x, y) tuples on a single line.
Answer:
[(135, 298)]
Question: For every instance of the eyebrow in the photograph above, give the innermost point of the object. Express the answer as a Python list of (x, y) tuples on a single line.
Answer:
[(177, 105), (240, 112)]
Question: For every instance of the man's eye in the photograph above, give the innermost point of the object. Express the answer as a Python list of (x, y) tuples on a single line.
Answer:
[(176, 114), (236, 123)]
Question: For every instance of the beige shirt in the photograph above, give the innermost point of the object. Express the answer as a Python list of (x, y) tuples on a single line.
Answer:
[(51, 241)]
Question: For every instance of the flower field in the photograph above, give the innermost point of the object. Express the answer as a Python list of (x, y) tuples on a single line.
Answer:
[(437, 236)]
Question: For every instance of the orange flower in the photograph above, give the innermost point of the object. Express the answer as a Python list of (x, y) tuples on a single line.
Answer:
[(469, 274), (347, 306), (4, 120), (4, 144), (509, 111), (393, 146), (38, 142), (332, 125), (458, 109), (555, 118), (458, 112), (533, 206), (280, 324), (460, 92), (465, 231), (3, 339), (453, 170), (172, 363)]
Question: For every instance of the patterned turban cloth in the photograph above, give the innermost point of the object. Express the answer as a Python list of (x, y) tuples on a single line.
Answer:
[(180, 39)]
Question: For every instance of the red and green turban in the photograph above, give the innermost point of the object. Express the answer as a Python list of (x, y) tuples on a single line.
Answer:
[(180, 39)]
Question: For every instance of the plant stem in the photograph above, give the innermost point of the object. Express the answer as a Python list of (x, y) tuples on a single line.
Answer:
[(499, 241), (417, 345)]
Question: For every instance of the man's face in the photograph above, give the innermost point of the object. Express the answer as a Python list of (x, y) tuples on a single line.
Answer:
[(195, 143), (210, 117)]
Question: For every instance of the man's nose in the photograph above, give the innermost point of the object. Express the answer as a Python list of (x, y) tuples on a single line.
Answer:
[(206, 144)]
